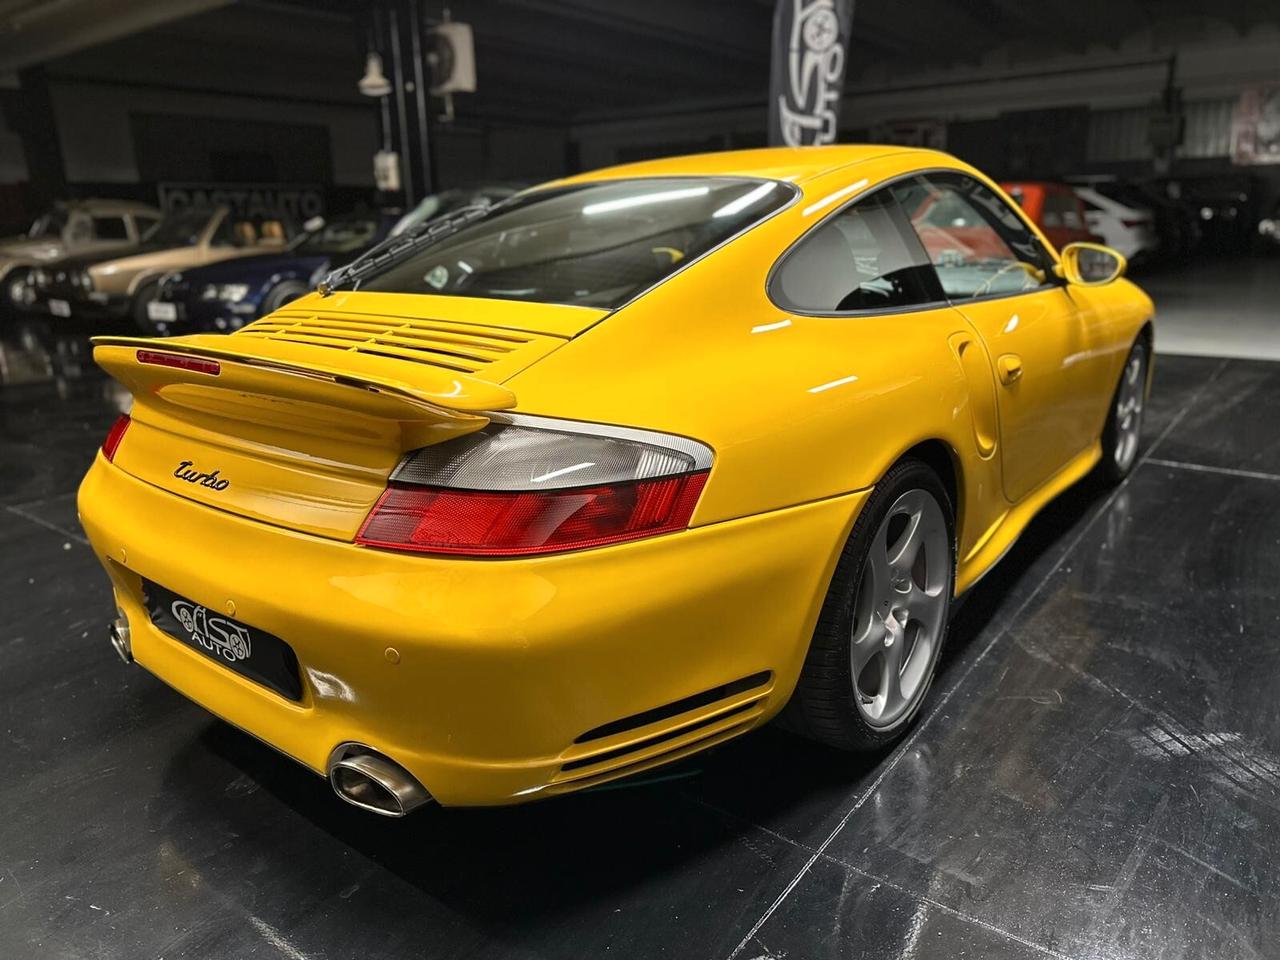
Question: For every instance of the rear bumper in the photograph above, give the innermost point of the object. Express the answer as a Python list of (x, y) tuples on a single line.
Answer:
[(500, 665)]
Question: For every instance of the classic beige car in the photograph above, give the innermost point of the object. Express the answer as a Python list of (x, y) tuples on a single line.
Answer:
[(72, 227), (121, 283)]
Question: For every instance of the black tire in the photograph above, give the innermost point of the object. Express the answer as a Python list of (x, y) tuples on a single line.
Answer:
[(1120, 438), (11, 302), (281, 294), (138, 309), (825, 705)]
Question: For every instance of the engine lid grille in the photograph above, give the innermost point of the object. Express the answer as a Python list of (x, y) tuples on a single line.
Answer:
[(464, 348)]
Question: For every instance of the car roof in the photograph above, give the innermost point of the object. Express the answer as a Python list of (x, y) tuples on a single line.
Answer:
[(100, 206), (796, 164)]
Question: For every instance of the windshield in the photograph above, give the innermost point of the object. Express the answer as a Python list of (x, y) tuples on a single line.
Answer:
[(339, 237), (180, 229), (48, 226), (594, 244)]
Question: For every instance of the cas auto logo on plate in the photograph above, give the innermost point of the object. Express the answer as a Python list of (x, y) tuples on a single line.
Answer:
[(215, 634)]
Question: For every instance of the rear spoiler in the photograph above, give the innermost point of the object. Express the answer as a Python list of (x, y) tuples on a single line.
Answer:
[(381, 387)]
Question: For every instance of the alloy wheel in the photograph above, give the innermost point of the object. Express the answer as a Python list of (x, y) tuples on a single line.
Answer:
[(900, 613), (1129, 403)]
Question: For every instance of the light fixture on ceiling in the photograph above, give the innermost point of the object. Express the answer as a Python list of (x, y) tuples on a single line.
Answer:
[(374, 82)]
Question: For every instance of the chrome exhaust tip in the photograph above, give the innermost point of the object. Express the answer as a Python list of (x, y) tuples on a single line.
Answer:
[(372, 782), (119, 633)]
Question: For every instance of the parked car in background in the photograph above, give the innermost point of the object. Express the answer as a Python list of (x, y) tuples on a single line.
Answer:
[(1227, 205), (74, 226), (227, 295), (1269, 228), (1129, 229), (1177, 226), (119, 284), (1056, 210)]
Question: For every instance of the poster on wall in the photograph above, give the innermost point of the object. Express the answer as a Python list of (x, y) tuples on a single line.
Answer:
[(1255, 127), (810, 51)]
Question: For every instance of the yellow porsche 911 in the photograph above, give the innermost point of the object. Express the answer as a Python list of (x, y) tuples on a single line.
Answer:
[(557, 491)]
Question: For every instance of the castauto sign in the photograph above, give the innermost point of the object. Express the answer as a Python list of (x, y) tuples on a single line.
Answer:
[(299, 201)]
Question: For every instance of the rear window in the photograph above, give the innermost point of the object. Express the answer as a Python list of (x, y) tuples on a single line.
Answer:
[(595, 244)]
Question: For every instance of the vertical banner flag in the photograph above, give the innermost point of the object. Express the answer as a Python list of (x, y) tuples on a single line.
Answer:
[(810, 47)]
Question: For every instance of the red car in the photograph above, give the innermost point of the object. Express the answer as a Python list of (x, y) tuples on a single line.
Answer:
[(1055, 208)]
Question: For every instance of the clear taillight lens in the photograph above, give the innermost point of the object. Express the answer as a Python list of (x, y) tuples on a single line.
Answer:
[(114, 436), (538, 486)]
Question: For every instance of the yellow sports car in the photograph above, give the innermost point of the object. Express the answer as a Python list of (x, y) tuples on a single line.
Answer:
[(560, 490)]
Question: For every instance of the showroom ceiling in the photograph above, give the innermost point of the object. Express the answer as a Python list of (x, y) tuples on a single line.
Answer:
[(548, 60)]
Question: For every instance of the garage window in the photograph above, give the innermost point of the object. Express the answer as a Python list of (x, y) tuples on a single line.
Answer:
[(865, 258)]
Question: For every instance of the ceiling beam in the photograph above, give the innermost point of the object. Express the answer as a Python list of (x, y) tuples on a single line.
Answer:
[(35, 33)]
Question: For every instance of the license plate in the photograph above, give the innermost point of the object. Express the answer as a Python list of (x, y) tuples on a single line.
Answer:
[(162, 311), (60, 308), (250, 652)]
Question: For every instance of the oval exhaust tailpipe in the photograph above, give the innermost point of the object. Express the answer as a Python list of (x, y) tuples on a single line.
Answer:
[(120, 642), (372, 782)]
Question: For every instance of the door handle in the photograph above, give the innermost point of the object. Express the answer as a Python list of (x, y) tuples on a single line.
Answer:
[(1009, 366)]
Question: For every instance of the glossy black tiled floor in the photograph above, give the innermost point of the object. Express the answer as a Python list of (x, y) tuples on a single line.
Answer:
[(1097, 774)]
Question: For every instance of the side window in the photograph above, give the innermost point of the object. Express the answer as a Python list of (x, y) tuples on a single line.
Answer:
[(1062, 206), (977, 245), (1052, 216), (110, 228), (863, 258), (79, 229), (144, 225)]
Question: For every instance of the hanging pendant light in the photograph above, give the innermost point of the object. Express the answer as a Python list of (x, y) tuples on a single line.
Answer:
[(374, 83)]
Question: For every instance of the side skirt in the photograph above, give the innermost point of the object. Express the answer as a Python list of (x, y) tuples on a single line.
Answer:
[(1005, 534)]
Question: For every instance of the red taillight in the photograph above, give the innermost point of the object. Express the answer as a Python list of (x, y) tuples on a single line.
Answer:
[(181, 361), (499, 524), (114, 436)]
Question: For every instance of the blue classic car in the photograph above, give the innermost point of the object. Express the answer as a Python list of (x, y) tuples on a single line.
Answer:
[(226, 296)]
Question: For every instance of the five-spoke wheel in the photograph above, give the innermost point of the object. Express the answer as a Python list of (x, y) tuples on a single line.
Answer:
[(877, 640), (900, 609), (1123, 431)]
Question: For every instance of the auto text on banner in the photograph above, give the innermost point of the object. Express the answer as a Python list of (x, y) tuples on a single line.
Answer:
[(810, 50)]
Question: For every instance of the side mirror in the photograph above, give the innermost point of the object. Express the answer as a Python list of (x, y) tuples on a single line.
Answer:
[(1090, 264)]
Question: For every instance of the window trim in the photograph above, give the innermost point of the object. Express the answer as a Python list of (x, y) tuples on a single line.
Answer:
[(770, 278)]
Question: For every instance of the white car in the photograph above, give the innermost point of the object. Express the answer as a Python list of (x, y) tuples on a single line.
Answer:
[(1131, 230)]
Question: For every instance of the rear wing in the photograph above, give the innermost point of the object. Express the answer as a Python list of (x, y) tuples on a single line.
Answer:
[(281, 374), (297, 435)]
